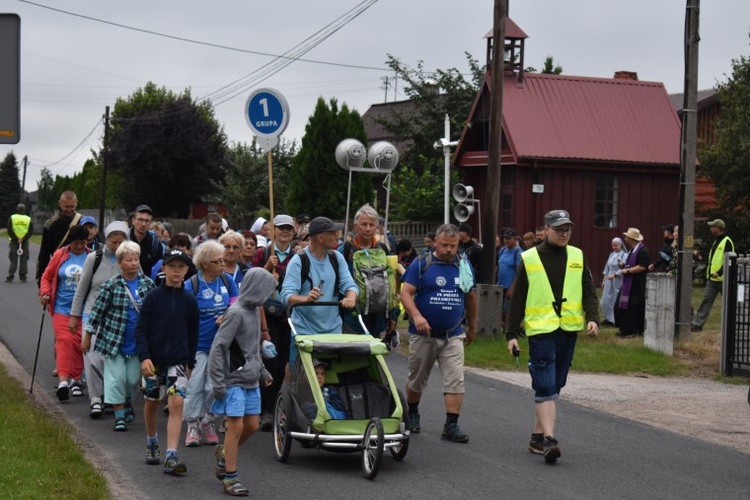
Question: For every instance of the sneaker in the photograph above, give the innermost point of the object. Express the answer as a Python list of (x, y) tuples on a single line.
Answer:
[(452, 432), (75, 390), (153, 454), (209, 433), (234, 488), (193, 437), (63, 392), (414, 419), (536, 445), (96, 410), (172, 465), (266, 422), (221, 466), (23, 280), (551, 450), (9, 280), (129, 413)]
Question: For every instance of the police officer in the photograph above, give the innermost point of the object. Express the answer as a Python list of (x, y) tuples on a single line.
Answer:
[(555, 297), (20, 229)]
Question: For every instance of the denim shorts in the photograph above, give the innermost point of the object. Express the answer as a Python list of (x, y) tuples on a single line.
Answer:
[(551, 355)]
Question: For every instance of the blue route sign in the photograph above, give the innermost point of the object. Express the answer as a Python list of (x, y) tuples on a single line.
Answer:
[(267, 115)]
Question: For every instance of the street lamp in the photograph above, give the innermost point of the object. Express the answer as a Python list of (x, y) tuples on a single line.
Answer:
[(446, 144)]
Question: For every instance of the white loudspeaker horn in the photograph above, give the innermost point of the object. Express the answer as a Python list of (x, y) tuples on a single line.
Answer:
[(462, 212), (462, 193), (383, 156), (350, 153)]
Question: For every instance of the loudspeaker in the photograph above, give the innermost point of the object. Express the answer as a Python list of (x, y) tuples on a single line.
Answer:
[(383, 156), (462, 212), (462, 193), (350, 153)]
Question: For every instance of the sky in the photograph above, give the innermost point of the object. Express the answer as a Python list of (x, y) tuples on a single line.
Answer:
[(72, 65)]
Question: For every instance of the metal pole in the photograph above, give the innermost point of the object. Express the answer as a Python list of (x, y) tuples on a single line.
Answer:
[(36, 356), (447, 156), (688, 149), (387, 202), (23, 181), (105, 161), (270, 198), (348, 200)]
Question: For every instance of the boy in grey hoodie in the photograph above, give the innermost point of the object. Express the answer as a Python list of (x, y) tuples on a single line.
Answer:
[(236, 370)]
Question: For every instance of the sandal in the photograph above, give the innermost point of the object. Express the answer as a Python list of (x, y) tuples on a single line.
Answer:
[(120, 425), (129, 413), (76, 391), (96, 410), (235, 488)]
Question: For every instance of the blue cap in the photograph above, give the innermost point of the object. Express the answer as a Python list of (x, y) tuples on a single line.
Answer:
[(87, 219)]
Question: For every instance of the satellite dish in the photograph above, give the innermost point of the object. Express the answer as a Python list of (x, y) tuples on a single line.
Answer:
[(350, 153), (383, 156)]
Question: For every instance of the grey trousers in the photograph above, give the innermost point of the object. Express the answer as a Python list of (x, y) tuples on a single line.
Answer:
[(20, 262), (713, 288)]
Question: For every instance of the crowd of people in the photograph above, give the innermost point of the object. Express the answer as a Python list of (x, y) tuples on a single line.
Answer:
[(201, 321)]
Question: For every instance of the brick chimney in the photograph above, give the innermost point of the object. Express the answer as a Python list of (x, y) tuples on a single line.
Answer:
[(626, 75)]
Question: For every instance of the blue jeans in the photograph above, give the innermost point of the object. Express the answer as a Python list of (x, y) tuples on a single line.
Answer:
[(551, 355)]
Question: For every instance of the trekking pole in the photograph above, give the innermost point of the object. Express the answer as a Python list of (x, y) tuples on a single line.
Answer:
[(36, 356)]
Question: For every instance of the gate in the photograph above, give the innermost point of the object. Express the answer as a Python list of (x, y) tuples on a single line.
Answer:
[(735, 327)]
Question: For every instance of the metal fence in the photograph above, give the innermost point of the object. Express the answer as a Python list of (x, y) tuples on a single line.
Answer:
[(735, 325)]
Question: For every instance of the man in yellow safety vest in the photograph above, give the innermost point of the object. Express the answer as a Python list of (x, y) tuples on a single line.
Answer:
[(20, 229), (714, 272), (555, 298)]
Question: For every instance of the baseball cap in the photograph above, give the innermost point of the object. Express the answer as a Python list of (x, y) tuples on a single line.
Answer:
[(87, 219), (176, 254), (509, 233), (556, 218), (303, 218), (117, 226), (144, 208), (717, 223), (283, 220), (323, 225)]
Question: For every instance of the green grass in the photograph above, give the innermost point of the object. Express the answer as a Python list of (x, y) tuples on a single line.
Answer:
[(40, 460)]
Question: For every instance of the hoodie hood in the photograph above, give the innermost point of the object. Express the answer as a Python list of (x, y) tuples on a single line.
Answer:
[(256, 286)]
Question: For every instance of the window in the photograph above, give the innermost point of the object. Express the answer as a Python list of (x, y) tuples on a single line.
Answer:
[(605, 202)]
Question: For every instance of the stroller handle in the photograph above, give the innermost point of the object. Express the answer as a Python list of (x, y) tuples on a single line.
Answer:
[(291, 307)]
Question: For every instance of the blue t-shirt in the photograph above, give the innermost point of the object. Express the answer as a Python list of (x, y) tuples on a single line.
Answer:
[(438, 296), (507, 266), (67, 281), (128, 347), (213, 300)]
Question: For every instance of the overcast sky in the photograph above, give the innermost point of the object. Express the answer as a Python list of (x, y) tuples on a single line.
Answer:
[(72, 67)]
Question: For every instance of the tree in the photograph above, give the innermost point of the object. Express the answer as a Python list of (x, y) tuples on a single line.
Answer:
[(549, 67), (45, 190), (420, 196), (166, 149), (10, 186), (727, 161), (318, 185), (245, 188)]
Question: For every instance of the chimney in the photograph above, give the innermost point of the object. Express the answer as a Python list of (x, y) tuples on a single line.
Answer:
[(626, 75)]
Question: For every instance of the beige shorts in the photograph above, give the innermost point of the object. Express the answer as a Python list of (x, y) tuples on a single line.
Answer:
[(449, 354)]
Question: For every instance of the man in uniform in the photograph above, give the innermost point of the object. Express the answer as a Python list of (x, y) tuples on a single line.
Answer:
[(20, 229), (714, 272)]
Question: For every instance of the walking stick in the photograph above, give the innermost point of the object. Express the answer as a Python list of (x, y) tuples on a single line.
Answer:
[(36, 356)]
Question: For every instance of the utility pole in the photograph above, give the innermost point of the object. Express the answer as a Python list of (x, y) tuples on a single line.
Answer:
[(105, 161), (23, 179), (386, 87), (688, 151), (492, 188)]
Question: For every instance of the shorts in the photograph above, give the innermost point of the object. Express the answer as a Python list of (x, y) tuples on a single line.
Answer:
[(171, 380), (237, 402), (551, 355), (449, 354)]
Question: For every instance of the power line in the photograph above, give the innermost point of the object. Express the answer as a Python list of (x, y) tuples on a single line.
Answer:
[(74, 150)]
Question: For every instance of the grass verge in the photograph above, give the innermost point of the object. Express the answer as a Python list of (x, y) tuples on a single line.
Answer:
[(41, 460)]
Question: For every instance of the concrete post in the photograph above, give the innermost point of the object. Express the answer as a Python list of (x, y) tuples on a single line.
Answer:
[(660, 305), (489, 310)]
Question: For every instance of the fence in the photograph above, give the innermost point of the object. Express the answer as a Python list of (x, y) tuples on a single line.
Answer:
[(735, 324)]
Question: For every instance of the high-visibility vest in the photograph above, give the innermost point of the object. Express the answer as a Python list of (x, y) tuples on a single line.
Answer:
[(20, 224), (540, 316), (716, 260)]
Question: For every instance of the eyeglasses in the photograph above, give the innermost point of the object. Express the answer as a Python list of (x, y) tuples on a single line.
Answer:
[(143, 221), (562, 231), (232, 247), (217, 261)]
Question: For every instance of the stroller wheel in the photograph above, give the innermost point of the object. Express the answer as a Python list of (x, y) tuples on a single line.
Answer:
[(281, 439), (372, 444)]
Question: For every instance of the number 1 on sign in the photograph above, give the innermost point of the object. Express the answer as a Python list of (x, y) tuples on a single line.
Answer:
[(264, 102)]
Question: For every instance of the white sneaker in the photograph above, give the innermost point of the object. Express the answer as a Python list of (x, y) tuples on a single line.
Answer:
[(193, 437)]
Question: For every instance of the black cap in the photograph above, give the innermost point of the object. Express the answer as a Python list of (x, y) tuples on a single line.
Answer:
[(556, 218), (323, 225), (669, 228), (303, 217), (509, 233), (144, 208), (176, 254)]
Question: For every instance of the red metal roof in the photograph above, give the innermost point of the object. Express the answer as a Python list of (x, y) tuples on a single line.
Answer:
[(512, 30), (602, 119)]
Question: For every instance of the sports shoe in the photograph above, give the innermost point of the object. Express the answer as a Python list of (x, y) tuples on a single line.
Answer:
[(153, 454), (209, 433), (266, 422), (392, 340), (75, 390), (96, 410), (551, 450), (63, 392), (452, 432), (414, 419), (234, 488), (172, 465), (221, 466), (536, 444), (193, 437)]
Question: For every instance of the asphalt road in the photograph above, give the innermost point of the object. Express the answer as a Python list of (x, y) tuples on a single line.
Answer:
[(603, 456)]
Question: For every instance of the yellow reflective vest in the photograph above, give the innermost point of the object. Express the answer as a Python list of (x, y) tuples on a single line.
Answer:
[(541, 316), (20, 224), (716, 259)]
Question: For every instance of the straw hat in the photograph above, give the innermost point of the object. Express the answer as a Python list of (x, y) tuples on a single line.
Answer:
[(634, 234)]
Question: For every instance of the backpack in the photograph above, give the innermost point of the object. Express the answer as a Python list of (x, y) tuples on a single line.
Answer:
[(305, 270), (98, 259), (375, 278), (194, 282)]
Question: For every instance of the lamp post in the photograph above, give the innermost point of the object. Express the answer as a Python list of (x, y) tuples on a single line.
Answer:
[(446, 144)]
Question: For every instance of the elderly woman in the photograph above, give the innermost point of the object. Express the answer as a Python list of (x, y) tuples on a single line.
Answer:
[(56, 290), (215, 290), (248, 251), (99, 267), (113, 320), (612, 280), (233, 243)]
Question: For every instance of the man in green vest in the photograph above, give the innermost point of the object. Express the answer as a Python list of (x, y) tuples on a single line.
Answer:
[(20, 230), (714, 272), (555, 298)]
